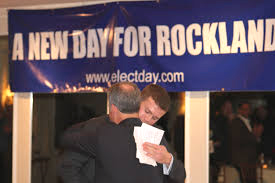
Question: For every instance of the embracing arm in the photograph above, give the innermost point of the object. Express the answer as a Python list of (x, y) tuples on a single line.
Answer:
[(79, 143), (75, 168), (77, 152), (177, 173), (161, 154), (80, 138)]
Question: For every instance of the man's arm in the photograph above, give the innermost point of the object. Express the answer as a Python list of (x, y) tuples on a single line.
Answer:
[(81, 138), (78, 164), (177, 173), (79, 141), (161, 155), (77, 152), (76, 168)]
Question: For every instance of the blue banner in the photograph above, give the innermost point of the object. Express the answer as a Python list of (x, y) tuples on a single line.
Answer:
[(180, 45)]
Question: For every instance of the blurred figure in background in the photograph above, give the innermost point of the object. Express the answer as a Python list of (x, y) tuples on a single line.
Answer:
[(262, 117), (219, 128), (244, 138), (219, 138)]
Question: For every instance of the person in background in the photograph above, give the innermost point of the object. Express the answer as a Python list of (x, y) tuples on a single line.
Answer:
[(219, 138), (261, 117), (155, 103), (244, 138), (220, 128)]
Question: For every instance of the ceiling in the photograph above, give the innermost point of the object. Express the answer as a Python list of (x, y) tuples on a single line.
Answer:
[(5, 5), (16, 3), (22, 3)]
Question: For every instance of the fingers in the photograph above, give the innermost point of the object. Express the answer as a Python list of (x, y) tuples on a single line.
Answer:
[(152, 148), (158, 152), (150, 144)]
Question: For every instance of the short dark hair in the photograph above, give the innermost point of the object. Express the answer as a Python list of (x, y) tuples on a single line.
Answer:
[(125, 96), (240, 104), (158, 94)]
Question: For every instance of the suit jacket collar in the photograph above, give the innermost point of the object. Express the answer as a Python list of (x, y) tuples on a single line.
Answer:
[(131, 122)]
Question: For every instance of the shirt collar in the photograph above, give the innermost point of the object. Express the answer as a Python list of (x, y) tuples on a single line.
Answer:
[(246, 122)]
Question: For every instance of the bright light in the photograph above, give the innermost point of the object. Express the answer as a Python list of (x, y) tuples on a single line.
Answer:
[(7, 97)]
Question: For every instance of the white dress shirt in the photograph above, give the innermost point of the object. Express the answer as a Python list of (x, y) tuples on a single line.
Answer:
[(246, 122), (166, 170)]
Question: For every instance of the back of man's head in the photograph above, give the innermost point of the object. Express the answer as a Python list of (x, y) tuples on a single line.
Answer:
[(125, 96), (158, 94)]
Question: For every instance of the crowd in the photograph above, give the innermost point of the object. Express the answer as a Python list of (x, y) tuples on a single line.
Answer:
[(242, 136)]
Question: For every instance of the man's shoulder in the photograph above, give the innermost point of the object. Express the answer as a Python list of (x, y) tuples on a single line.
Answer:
[(130, 122), (99, 119), (96, 121), (123, 127), (93, 122)]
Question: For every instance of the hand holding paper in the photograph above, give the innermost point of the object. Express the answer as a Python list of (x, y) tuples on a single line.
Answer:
[(146, 133), (158, 152)]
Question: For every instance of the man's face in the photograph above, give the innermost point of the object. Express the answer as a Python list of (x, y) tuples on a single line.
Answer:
[(150, 112), (245, 110)]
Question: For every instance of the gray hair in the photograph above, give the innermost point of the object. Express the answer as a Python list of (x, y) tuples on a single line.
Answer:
[(125, 96)]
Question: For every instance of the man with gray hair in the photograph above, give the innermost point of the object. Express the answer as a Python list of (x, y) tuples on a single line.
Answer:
[(124, 100), (112, 145)]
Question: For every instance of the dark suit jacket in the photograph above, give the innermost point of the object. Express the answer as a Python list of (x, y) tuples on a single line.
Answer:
[(75, 167), (243, 143), (220, 134), (78, 165)]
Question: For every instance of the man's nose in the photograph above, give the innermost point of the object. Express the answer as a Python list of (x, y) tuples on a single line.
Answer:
[(148, 118)]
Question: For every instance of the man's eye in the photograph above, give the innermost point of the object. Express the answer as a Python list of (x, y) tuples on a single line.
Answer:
[(155, 119)]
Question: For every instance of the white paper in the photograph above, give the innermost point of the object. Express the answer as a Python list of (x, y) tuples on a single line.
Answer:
[(146, 133)]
